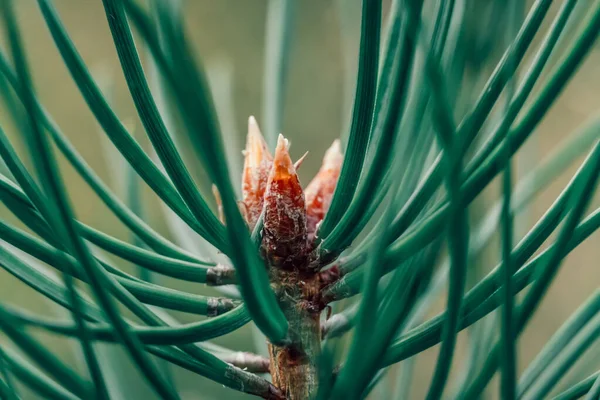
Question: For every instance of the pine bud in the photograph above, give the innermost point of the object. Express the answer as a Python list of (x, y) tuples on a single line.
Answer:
[(284, 235), (320, 190), (257, 164)]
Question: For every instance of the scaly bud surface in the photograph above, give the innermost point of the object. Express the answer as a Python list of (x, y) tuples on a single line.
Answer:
[(257, 165), (284, 234), (319, 191)]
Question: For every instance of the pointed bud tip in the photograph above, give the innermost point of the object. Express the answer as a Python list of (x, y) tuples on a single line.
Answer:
[(333, 156), (257, 166), (254, 132), (282, 141), (336, 146), (282, 163), (256, 146)]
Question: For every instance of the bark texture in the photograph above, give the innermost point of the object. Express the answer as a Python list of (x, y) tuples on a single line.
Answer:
[(294, 367)]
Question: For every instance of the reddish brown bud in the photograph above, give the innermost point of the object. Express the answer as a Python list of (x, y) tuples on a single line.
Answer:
[(257, 165), (320, 190), (284, 235)]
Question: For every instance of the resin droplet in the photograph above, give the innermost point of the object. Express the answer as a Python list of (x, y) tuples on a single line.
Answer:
[(320, 190), (257, 165), (284, 235)]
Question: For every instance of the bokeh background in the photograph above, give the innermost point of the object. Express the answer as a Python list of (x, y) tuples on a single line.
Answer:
[(229, 35)]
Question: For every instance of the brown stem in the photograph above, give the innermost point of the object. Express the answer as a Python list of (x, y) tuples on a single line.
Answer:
[(294, 367)]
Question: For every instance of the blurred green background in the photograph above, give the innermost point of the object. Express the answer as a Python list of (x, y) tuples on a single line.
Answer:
[(229, 36)]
